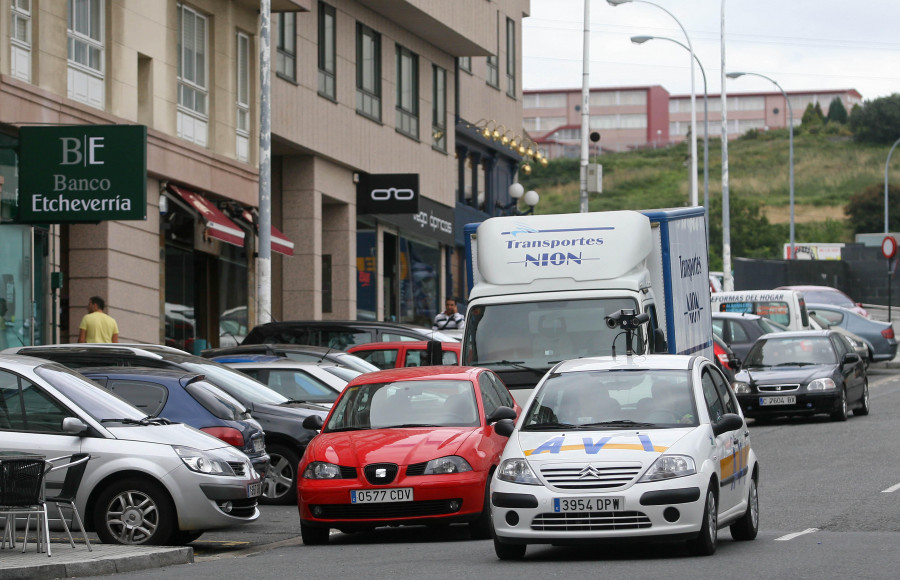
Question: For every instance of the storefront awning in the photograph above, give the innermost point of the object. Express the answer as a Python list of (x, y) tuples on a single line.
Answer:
[(217, 223), (280, 242)]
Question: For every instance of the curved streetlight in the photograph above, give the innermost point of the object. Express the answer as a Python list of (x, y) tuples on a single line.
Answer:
[(693, 93), (886, 163), (734, 75), (642, 40)]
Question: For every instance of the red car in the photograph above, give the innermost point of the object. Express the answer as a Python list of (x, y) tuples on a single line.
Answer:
[(413, 446), (404, 353)]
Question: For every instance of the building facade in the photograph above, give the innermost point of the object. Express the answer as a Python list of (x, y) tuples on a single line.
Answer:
[(637, 117), (360, 89)]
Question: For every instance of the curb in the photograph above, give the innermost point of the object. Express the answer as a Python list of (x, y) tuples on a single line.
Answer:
[(115, 560)]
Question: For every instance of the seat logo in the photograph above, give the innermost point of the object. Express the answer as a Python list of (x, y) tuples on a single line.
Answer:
[(381, 473)]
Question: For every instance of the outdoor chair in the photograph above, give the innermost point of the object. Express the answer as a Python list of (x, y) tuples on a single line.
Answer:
[(75, 471), (21, 491)]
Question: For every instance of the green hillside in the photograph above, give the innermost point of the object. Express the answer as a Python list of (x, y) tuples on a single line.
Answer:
[(828, 169)]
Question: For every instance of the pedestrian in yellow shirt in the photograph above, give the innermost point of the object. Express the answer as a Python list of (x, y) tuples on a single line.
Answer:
[(97, 326)]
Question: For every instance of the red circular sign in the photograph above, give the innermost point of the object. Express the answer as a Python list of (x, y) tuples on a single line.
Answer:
[(889, 247)]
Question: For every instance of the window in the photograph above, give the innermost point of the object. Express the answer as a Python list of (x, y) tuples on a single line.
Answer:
[(510, 57), (25, 407), (407, 92), (193, 115), (327, 51), (85, 49), (618, 121), (439, 108), (465, 63), (492, 77), (713, 403), (544, 101), (20, 40), (243, 97), (286, 45), (489, 396), (368, 72), (146, 396)]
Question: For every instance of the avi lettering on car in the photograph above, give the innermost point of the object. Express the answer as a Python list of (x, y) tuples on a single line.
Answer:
[(541, 287)]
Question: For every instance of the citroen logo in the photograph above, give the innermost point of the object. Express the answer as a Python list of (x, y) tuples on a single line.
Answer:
[(589, 472)]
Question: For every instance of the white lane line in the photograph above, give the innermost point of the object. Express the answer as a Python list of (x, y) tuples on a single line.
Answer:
[(891, 489), (792, 536)]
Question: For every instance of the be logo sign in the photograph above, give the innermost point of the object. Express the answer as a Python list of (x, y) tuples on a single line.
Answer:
[(76, 174)]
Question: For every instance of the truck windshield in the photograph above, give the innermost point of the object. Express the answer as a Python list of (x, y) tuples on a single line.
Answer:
[(539, 334)]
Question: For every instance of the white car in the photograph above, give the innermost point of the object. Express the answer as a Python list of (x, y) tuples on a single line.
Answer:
[(309, 382), (645, 447), (148, 481)]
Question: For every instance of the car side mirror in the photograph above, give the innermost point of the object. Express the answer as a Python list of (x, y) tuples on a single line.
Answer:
[(501, 413), (434, 353), (735, 363), (74, 426), (728, 422), (505, 427), (850, 358), (313, 423), (659, 341)]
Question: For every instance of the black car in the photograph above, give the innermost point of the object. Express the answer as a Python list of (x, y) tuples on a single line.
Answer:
[(339, 334), (281, 419), (803, 372), (298, 352), (740, 330), (186, 397)]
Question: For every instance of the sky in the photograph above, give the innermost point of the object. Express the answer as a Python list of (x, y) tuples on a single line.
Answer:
[(803, 45)]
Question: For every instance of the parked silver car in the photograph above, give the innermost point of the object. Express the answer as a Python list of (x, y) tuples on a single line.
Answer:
[(148, 481)]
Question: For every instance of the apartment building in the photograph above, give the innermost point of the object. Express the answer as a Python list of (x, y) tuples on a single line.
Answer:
[(632, 117), (362, 91)]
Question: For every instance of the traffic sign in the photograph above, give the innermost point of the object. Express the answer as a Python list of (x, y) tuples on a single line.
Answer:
[(889, 247)]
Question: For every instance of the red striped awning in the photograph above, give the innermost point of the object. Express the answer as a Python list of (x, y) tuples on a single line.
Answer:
[(280, 242), (217, 223)]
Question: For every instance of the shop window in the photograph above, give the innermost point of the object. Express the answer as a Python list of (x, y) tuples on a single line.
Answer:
[(86, 51)]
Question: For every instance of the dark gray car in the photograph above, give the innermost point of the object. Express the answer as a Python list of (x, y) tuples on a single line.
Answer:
[(740, 330), (878, 336)]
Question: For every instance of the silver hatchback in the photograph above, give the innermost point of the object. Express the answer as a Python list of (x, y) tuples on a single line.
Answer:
[(148, 481)]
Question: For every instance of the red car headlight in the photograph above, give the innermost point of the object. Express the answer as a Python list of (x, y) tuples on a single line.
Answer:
[(449, 464)]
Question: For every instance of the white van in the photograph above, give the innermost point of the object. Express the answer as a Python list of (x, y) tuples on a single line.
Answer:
[(786, 307)]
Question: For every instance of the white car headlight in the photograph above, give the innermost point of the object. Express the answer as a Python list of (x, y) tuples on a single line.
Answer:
[(449, 464), (202, 462), (741, 388), (517, 471), (820, 385), (322, 470), (670, 467)]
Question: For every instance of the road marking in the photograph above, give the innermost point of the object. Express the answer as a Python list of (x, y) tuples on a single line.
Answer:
[(794, 535), (891, 489)]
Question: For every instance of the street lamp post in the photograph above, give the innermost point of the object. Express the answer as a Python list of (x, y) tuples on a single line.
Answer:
[(642, 40), (734, 75), (693, 93), (886, 164)]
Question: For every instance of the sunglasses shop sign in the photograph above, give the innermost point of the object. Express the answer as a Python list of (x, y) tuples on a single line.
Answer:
[(90, 173)]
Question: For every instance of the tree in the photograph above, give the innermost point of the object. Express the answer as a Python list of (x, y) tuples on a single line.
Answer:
[(812, 117), (865, 210), (752, 236), (877, 121), (836, 111)]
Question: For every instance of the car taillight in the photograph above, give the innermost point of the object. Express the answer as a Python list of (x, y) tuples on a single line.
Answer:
[(888, 332), (229, 435)]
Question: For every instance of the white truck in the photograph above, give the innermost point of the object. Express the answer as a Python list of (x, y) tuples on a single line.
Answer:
[(543, 289)]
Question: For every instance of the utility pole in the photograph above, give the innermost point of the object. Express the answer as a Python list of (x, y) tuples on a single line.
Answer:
[(264, 261)]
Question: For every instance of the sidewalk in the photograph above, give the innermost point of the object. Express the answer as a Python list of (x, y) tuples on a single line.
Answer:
[(67, 562)]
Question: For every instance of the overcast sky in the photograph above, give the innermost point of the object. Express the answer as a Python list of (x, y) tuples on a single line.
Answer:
[(801, 44)]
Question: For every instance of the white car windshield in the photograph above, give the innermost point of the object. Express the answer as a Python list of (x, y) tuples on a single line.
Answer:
[(614, 399)]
